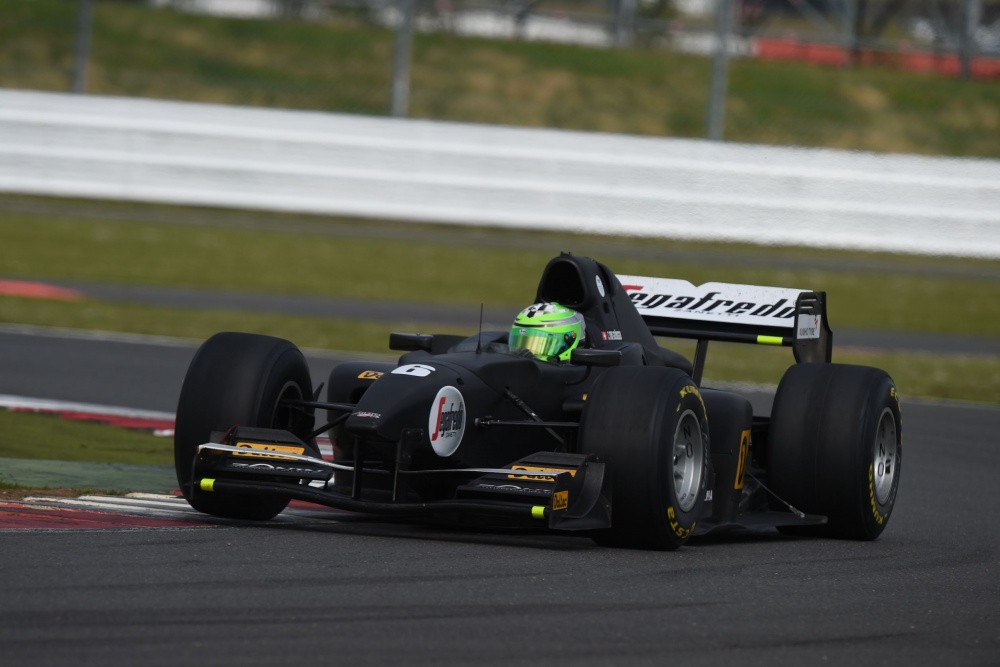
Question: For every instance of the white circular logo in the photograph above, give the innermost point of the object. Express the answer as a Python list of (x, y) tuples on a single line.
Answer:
[(600, 287), (414, 370), (446, 423)]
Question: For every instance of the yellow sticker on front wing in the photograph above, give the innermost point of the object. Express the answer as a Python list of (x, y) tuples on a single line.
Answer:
[(539, 478), (262, 449), (560, 500)]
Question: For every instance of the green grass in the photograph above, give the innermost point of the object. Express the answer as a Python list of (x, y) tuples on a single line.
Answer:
[(163, 53), (951, 376), (344, 65), (40, 436), (871, 109)]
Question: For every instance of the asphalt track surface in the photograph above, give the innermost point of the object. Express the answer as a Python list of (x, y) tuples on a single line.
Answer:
[(357, 591)]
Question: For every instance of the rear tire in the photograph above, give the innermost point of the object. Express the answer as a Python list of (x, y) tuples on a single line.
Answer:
[(238, 379), (835, 447), (649, 424), (731, 417)]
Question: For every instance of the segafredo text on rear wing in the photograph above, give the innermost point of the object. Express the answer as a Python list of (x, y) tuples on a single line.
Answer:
[(734, 313)]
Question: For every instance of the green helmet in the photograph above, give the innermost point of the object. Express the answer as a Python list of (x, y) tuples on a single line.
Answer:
[(547, 330)]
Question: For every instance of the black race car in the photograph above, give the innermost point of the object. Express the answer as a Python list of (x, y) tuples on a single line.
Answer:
[(620, 440)]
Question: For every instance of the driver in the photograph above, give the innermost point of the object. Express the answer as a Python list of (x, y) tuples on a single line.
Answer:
[(549, 331)]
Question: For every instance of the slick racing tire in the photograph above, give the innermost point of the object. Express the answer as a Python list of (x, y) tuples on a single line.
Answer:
[(835, 448), (731, 417), (650, 427), (238, 379)]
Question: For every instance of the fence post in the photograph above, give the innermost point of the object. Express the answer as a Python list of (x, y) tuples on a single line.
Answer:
[(399, 102), (625, 23), (720, 70), (971, 10), (852, 33), (81, 52)]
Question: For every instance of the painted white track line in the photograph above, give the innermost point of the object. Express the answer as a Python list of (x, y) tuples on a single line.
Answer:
[(163, 506), (38, 404), (112, 503)]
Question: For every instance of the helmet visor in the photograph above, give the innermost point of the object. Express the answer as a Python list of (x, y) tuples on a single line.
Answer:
[(543, 344)]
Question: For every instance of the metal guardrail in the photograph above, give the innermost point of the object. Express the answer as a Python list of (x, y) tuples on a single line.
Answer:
[(174, 152)]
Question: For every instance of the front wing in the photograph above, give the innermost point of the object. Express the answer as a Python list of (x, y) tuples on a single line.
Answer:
[(552, 490)]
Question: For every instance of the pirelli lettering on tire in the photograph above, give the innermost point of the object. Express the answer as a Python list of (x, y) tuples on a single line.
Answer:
[(679, 530), (691, 389), (879, 517)]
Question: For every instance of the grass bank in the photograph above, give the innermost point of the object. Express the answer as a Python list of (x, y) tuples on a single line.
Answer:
[(44, 454), (40, 436), (344, 66)]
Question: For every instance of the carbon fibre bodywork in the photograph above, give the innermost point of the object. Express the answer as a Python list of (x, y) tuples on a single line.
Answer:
[(461, 428)]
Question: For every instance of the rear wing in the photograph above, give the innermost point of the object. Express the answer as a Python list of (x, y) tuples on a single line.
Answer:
[(735, 314)]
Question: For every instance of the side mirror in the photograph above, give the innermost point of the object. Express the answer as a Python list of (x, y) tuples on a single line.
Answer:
[(408, 342), (588, 357)]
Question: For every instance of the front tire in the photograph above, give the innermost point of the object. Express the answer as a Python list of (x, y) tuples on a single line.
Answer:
[(835, 447), (238, 379), (649, 424)]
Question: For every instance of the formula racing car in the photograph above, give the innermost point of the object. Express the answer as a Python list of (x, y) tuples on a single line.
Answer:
[(574, 419)]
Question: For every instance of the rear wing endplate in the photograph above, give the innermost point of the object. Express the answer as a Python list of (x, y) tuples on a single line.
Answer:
[(734, 313)]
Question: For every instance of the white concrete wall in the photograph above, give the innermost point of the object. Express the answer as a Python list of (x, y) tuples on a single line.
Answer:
[(157, 151)]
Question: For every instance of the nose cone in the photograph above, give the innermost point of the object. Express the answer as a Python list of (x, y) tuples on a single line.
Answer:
[(403, 398)]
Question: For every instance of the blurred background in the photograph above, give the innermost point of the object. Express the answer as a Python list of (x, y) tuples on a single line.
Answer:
[(181, 220), (915, 76)]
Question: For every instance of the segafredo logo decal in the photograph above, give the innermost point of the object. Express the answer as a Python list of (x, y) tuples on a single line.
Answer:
[(720, 302), (446, 424)]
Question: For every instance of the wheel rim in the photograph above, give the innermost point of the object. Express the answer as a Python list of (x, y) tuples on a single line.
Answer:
[(688, 460), (885, 456)]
